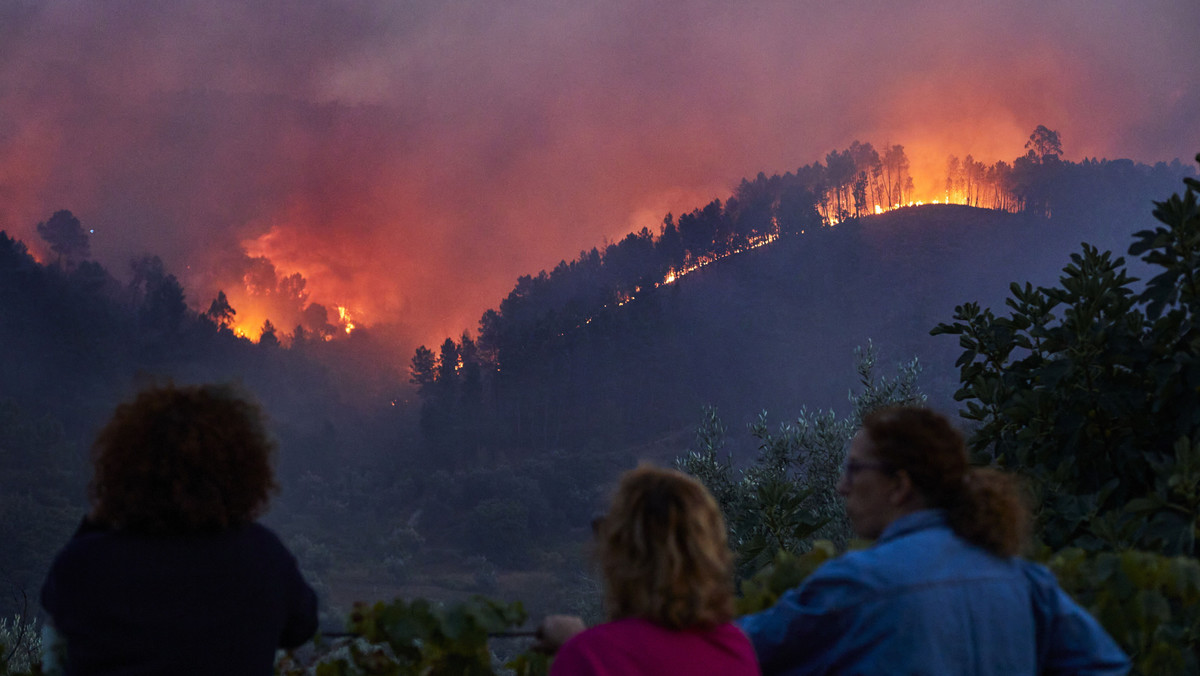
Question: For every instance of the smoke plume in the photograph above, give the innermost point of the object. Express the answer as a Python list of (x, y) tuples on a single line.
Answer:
[(410, 159)]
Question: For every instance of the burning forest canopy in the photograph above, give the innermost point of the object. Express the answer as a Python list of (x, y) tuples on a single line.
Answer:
[(257, 298), (151, 314), (410, 161)]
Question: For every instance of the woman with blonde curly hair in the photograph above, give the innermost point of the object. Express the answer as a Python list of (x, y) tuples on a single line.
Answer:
[(668, 575), (943, 590), (169, 573)]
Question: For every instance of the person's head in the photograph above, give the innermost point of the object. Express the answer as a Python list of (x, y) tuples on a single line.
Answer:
[(182, 460), (663, 550), (907, 458)]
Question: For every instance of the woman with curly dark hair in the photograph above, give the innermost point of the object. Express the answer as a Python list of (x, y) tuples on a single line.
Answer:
[(943, 590), (169, 573), (668, 573)]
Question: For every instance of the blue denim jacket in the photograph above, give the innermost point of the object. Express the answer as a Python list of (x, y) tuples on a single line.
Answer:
[(924, 601)]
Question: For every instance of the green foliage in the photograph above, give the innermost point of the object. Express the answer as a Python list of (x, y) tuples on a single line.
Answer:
[(786, 572), (1148, 602), (1091, 381), (20, 646), (402, 638), (788, 498), (500, 529)]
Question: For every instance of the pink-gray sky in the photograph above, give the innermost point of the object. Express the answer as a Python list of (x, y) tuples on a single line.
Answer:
[(412, 158)]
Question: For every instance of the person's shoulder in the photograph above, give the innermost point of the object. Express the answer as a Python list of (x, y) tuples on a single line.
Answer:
[(926, 540), (89, 555), (88, 543), (624, 631), (855, 568), (618, 629), (259, 533), (587, 641), (1036, 572), (731, 634), (1042, 582), (262, 539), (880, 566)]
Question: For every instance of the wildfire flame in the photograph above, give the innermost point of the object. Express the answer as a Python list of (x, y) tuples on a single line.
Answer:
[(762, 240), (255, 304), (345, 320)]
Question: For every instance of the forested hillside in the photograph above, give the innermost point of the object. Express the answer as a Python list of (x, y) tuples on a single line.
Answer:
[(488, 479), (619, 346)]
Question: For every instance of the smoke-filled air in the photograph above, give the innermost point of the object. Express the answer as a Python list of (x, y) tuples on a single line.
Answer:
[(414, 284), (409, 160)]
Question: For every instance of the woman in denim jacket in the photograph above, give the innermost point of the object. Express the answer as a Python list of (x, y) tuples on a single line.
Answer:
[(942, 591)]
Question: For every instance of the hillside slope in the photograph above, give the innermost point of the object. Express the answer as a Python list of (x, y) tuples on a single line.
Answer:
[(776, 327)]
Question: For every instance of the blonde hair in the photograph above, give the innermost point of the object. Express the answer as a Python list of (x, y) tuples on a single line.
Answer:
[(663, 551)]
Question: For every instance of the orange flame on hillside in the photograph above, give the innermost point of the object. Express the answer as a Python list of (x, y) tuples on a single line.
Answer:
[(282, 303), (289, 277), (281, 281)]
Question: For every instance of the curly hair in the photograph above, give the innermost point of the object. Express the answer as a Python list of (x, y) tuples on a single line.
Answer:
[(181, 460), (663, 552), (983, 505)]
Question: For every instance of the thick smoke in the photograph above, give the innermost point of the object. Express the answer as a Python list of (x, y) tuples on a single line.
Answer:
[(410, 159)]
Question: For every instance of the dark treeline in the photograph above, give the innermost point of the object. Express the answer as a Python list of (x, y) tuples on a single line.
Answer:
[(558, 365), (76, 339)]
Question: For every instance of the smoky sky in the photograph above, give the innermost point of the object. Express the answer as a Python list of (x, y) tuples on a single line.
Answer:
[(411, 158)]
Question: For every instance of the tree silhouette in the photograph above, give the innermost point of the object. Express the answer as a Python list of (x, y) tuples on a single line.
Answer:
[(1044, 144), (447, 364), (316, 319), (839, 168), (468, 355), (268, 338), (423, 371), (65, 236), (220, 311), (895, 169), (669, 246), (158, 296), (870, 170)]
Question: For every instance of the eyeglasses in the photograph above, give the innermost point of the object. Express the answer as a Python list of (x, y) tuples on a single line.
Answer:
[(852, 467)]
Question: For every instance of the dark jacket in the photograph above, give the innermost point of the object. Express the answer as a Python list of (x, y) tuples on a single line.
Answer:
[(217, 603)]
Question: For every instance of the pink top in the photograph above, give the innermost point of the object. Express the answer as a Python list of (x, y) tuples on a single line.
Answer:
[(635, 646)]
